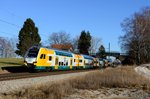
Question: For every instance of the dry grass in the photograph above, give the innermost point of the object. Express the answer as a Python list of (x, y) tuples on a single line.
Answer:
[(123, 77), (54, 90)]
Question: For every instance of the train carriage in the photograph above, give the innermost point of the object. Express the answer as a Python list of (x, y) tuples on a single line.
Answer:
[(88, 61), (40, 58)]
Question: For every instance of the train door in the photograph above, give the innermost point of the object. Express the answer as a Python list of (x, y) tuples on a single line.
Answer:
[(42, 60), (67, 63), (74, 61), (81, 61), (56, 62), (71, 63)]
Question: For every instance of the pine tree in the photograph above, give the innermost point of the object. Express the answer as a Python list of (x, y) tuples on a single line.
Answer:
[(28, 36), (88, 39), (84, 42), (101, 52)]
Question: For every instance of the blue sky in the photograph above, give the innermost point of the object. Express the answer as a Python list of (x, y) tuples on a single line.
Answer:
[(101, 17)]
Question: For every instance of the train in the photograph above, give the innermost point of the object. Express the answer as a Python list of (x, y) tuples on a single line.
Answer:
[(48, 59)]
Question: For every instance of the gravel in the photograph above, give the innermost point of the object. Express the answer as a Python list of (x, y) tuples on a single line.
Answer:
[(18, 84)]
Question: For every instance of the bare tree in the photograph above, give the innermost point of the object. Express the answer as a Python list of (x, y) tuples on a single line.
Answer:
[(7, 47), (95, 43), (13, 42), (75, 42), (136, 39), (59, 38), (2, 46)]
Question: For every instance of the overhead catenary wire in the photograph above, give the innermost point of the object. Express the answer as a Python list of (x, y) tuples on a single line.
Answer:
[(9, 23), (7, 33), (11, 13), (12, 24), (1, 20)]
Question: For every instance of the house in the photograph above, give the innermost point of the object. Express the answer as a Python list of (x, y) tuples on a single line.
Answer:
[(66, 47)]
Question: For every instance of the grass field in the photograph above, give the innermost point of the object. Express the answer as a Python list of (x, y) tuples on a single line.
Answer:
[(11, 62), (124, 77)]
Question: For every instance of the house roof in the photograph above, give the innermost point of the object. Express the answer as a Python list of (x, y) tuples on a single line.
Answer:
[(62, 46)]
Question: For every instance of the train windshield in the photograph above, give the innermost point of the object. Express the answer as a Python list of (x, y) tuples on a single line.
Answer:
[(33, 52)]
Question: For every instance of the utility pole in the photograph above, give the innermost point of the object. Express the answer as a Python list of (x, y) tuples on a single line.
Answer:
[(109, 49)]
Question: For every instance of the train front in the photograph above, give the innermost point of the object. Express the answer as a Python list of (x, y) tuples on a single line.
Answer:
[(30, 58)]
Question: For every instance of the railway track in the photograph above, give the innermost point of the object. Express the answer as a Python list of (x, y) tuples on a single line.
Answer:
[(13, 76)]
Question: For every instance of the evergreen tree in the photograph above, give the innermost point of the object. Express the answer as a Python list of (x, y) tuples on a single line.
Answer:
[(101, 52), (28, 36), (84, 42), (88, 39)]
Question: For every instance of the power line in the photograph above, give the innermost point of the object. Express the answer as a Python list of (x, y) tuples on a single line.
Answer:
[(11, 13), (15, 15), (1, 20), (15, 26), (7, 33)]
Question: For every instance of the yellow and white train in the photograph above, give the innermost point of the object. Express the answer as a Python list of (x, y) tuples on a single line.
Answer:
[(40, 58)]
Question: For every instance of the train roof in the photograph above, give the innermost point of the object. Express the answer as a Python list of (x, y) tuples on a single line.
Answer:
[(61, 52), (87, 57), (65, 53)]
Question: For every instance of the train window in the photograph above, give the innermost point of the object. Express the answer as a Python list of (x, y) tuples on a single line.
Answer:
[(50, 58), (42, 55), (59, 63), (33, 52), (74, 60), (80, 61), (66, 63)]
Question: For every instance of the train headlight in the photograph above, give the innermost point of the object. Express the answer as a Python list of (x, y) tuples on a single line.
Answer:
[(25, 63), (34, 63)]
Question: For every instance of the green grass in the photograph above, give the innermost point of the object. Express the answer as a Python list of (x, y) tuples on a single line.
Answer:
[(11, 62)]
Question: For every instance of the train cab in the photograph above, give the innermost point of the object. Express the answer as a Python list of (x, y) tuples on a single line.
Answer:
[(30, 58)]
